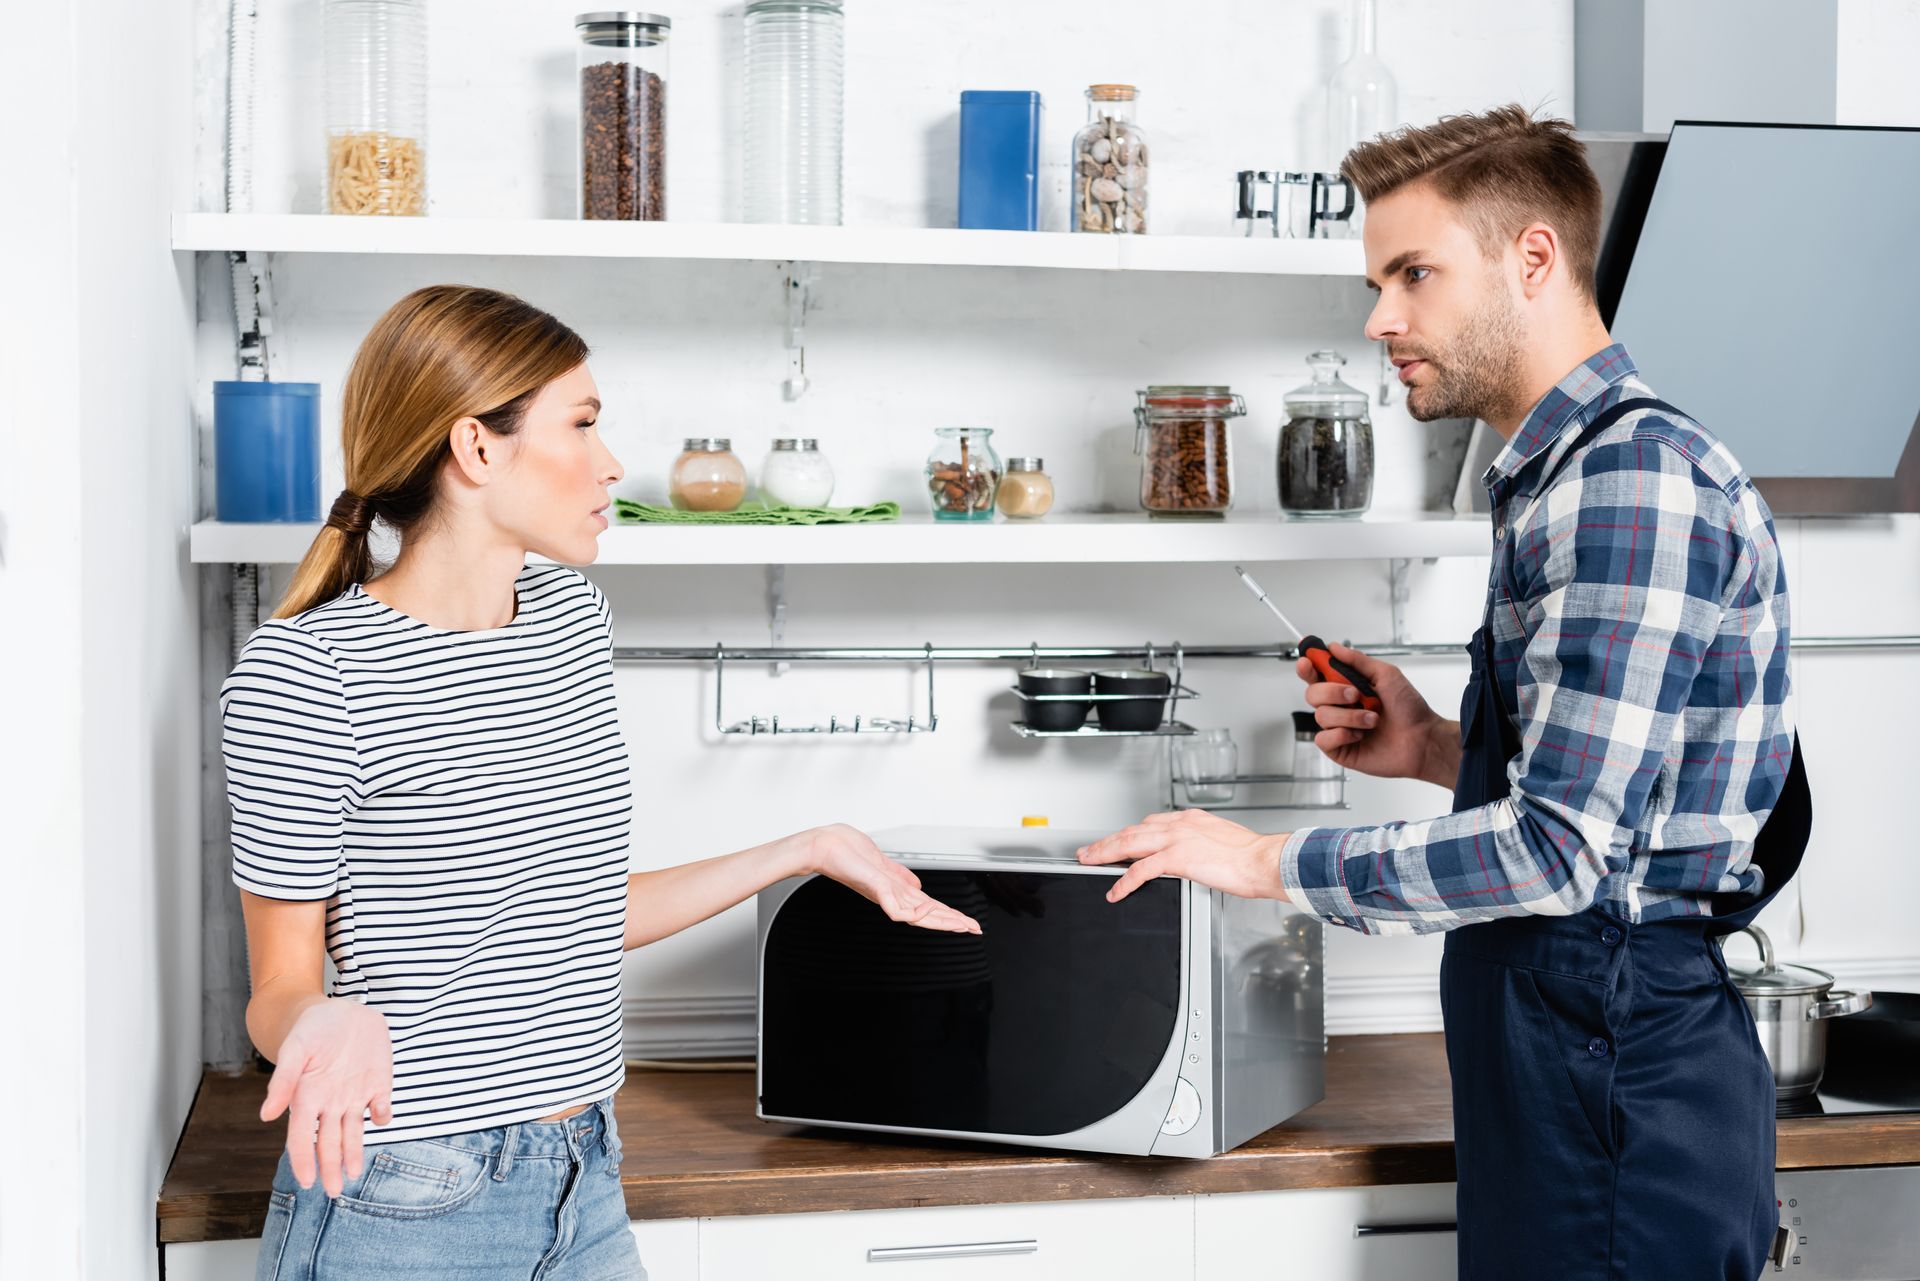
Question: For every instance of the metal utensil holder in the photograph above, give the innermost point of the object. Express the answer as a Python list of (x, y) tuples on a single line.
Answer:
[(754, 726)]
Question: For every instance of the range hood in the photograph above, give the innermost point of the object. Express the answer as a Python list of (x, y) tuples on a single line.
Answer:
[(1763, 277)]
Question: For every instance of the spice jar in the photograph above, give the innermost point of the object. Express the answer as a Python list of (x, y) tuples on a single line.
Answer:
[(796, 474), (1181, 433), (375, 56), (707, 477), (963, 473), (1326, 447), (1026, 491), (1109, 163), (1316, 779), (623, 115)]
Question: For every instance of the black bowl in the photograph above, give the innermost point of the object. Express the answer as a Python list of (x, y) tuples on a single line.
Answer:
[(1134, 714), (1051, 715)]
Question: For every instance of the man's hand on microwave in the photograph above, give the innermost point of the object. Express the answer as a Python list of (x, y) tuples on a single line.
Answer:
[(1196, 846)]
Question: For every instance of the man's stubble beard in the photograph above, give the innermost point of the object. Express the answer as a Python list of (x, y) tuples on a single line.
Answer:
[(1479, 373)]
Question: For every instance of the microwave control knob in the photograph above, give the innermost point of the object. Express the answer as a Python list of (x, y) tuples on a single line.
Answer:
[(1185, 1112)]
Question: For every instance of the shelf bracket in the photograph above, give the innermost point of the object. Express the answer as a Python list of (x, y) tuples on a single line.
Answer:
[(252, 280), (1400, 592), (801, 277), (777, 613)]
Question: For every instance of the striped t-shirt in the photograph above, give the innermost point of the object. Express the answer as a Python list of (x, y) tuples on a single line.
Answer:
[(462, 800)]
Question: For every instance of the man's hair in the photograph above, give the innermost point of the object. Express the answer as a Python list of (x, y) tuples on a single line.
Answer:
[(1503, 169)]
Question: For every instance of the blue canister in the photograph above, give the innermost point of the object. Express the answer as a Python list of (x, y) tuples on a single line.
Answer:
[(1000, 159), (266, 451)]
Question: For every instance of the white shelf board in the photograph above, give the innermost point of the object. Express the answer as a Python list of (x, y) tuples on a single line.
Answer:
[(906, 246), (1063, 538)]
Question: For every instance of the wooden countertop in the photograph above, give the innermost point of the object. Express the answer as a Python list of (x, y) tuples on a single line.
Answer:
[(694, 1148)]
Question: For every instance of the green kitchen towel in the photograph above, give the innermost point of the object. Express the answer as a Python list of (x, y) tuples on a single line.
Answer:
[(755, 512)]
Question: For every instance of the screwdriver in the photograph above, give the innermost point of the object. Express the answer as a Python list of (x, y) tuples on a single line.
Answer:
[(1316, 652)]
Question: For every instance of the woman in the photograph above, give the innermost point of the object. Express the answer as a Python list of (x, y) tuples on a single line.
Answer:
[(429, 786)]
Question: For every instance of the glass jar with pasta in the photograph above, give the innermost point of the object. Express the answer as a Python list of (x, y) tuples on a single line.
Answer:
[(376, 106)]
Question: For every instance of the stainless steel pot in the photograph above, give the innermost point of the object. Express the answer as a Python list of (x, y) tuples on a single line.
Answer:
[(1791, 1005)]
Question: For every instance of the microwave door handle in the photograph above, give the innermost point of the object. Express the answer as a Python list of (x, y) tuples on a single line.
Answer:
[(1402, 1229), (970, 1250)]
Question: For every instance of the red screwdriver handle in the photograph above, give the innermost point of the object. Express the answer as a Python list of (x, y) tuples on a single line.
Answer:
[(1332, 669)]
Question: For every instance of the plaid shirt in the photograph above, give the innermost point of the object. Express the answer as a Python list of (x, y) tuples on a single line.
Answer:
[(1639, 619)]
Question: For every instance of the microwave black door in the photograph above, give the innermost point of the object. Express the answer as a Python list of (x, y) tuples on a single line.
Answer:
[(1053, 1017)]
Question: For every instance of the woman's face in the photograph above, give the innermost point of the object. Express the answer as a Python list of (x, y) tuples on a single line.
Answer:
[(552, 491)]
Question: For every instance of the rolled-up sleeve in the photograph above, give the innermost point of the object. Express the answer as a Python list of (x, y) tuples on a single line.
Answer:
[(291, 763), (1622, 578)]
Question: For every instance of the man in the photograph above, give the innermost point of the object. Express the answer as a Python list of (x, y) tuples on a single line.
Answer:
[(1621, 769)]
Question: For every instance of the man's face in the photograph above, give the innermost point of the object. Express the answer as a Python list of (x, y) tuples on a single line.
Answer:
[(1448, 313)]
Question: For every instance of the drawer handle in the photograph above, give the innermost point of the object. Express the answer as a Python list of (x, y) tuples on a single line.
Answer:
[(972, 1250), (1402, 1229)]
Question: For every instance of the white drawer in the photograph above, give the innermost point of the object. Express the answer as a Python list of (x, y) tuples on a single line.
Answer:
[(669, 1248), (1329, 1234), (1110, 1240)]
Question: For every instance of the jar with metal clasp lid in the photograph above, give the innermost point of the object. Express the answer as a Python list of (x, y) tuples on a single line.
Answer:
[(1181, 433)]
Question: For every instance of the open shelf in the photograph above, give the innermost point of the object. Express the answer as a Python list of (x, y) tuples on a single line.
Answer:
[(1062, 538), (898, 246)]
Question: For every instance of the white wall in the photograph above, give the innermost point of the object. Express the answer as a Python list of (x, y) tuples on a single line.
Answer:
[(1049, 359), (102, 689)]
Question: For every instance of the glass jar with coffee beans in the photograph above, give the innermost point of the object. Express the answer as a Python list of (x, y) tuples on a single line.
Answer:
[(1109, 164), (963, 474), (1326, 447), (1181, 434), (623, 115)]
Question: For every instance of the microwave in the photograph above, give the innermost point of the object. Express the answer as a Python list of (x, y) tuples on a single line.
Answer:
[(1178, 1022)]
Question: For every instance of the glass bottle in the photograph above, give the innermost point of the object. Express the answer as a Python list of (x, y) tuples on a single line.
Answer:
[(1316, 778), (1182, 436), (796, 474), (1026, 491), (622, 61), (795, 78), (707, 477), (1208, 763), (1326, 447), (1362, 98), (375, 58), (963, 473), (1109, 163)]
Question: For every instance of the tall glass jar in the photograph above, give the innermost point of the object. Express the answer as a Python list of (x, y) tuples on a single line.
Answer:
[(795, 75), (1186, 454), (1363, 99), (963, 473), (375, 74), (707, 477), (1326, 447), (623, 114), (1110, 165)]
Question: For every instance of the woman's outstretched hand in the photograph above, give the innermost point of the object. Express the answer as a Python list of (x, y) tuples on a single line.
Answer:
[(849, 856), (335, 1066)]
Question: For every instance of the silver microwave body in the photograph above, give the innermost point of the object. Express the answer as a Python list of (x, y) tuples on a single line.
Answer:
[(1242, 1049)]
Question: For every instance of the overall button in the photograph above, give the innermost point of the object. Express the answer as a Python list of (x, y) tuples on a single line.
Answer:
[(1610, 935), (1597, 1048)]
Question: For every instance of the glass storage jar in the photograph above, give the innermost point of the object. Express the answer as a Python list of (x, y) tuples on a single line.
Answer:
[(1026, 491), (375, 67), (1209, 763), (707, 477), (1326, 447), (795, 78), (1187, 461), (1316, 779), (1109, 164), (622, 59), (796, 474), (963, 473)]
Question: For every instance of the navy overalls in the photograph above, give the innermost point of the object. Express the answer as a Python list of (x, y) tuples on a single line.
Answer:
[(1613, 1110)]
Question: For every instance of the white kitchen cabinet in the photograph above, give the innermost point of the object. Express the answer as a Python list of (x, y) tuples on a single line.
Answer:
[(670, 1249), (1130, 1239), (1329, 1234)]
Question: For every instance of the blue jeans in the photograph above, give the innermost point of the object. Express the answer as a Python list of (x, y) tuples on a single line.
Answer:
[(540, 1199)]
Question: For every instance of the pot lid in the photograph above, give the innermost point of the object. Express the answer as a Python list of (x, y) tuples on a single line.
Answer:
[(1770, 978)]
